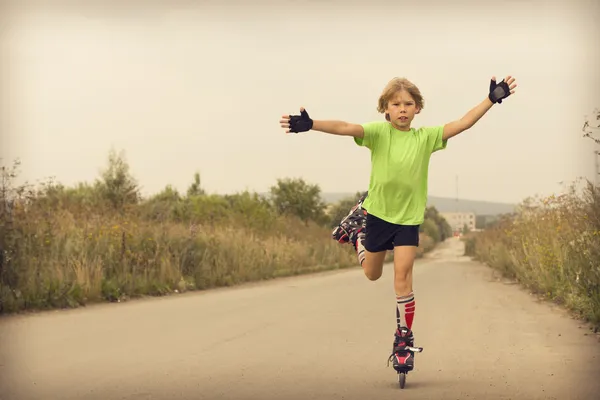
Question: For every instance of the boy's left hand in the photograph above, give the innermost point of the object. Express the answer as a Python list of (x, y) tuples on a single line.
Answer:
[(501, 90)]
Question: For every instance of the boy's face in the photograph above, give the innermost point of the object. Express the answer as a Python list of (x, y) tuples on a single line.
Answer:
[(402, 109)]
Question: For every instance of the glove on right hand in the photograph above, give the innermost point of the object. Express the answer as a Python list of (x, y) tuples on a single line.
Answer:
[(300, 123)]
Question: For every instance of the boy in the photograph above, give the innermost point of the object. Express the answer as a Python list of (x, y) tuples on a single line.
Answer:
[(397, 193)]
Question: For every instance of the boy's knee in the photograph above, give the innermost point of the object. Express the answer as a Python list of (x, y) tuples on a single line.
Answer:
[(373, 265), (372, 275), (402, 276)]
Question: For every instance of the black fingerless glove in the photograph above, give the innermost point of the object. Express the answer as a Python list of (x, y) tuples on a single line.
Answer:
[(498, 91), (492, 87), (300, 123)]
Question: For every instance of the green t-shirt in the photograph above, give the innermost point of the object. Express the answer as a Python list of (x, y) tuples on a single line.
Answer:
[(399, 170)]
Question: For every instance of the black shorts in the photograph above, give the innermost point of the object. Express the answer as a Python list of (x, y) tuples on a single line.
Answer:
[(382, 235)]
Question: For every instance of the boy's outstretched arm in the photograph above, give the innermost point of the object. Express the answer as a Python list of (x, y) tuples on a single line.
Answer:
[(497, 92), (303, 123)]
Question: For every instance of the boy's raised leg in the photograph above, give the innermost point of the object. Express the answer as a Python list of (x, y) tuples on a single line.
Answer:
[(352, 229), (352, 224), (372, 263)]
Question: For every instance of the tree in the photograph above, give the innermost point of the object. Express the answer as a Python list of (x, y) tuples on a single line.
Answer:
[(116, 185), (431, 229), (444, 228), (296, 197), (162, 205), (588, 126), (13, 199), (195, 189), (169, 194)]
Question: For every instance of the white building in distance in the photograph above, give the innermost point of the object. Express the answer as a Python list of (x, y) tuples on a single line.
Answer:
[(458, 220)]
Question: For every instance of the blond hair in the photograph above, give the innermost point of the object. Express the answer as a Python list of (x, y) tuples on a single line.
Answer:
[(396, 85)]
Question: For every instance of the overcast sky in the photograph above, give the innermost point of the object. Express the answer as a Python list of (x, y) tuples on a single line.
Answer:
[(196, 86)]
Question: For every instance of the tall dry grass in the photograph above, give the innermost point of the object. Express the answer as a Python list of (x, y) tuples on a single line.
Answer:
[(66, 247), (62, 259), (551, 246)]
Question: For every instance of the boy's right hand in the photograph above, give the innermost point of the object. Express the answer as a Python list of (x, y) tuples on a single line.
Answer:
[(297, 123), (493, 85)]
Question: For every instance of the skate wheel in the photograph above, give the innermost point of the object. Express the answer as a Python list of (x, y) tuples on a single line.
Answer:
[(402, 379)]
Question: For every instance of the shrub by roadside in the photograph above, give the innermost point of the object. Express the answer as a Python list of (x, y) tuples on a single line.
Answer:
[(70, 246), (552, 247), (69, 260)]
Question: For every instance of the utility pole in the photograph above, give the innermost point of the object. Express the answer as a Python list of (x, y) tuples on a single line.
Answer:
[(456, 216), (456, 205)]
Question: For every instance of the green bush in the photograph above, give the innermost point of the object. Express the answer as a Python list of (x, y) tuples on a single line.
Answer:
[(552, 246), (69, 246), (64, 247)]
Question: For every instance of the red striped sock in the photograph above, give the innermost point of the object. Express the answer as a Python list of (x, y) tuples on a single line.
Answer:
[(405, 310)]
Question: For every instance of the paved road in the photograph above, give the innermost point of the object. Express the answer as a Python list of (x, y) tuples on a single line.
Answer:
[(324, 336)]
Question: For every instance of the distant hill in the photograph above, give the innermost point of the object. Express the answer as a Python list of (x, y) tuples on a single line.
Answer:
[(445, 204)]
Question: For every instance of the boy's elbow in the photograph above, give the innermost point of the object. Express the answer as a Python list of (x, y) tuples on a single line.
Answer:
[(465, 123), (454, 128), (354, 130)]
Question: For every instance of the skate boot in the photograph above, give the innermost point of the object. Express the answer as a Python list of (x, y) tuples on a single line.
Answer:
[(403, 353), (352, 224)]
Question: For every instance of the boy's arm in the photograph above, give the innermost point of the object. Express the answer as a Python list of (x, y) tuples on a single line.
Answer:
[(339, 128), (303, 123), (497, 93), (468, 120)]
